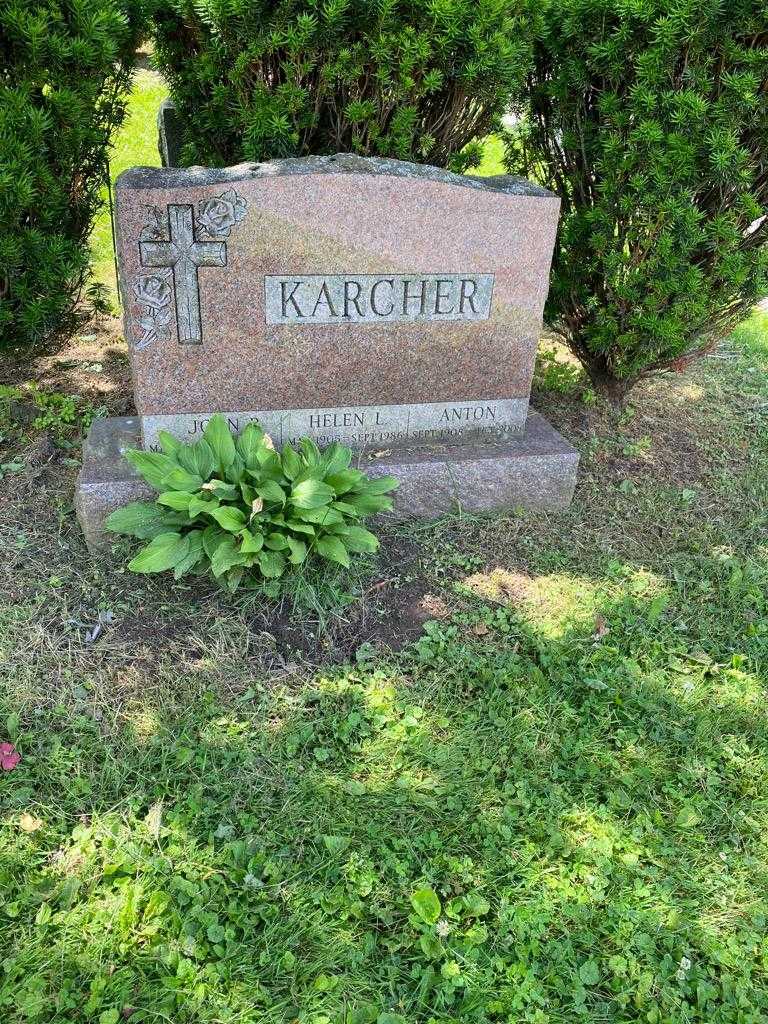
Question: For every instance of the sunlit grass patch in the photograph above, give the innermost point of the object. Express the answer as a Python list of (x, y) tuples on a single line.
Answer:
[(135, 146)]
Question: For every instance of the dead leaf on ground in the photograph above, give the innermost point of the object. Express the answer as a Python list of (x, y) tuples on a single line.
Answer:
[(154, 819), (601, 626), (29, 823), (434, 606)]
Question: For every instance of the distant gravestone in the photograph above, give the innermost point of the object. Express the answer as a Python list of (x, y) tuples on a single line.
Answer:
[(170, 134), (393, 307)]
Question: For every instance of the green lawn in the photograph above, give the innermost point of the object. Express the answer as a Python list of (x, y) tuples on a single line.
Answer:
[(493, 157), (136, 145), (549, 806)]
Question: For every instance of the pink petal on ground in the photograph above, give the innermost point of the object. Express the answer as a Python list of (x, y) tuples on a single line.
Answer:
[(8, 757)]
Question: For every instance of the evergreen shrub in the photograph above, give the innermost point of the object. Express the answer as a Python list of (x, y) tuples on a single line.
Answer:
[(650, 119), (65, 66), (415, 80)]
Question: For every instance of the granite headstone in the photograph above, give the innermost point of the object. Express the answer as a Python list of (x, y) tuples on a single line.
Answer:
[(391, 306)]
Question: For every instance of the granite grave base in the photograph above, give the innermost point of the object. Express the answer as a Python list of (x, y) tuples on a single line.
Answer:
[(536, 471)]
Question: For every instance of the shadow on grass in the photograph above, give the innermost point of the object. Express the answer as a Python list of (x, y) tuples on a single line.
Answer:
[(589, 810)]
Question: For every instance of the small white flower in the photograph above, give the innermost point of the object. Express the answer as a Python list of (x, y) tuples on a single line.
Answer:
[(723, 856), (443, 928), (680, 975)]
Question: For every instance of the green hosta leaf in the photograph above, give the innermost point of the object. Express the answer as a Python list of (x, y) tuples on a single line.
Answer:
[(298, 527), (139, 519), (219, 437), (272, 564), (230, 519), (270, 463), (276, 541), (382, 484), (298, 550), (427, 905), (368, 504), (336, 458), (310, 451), (248, 493), (164, 552), (169, 443), (345, 509), (270, 491), (250, 443), (311, 494), (197, 458), (225, 556), (178, 500), (234, 470), (252, 542), (345, 480), (194, 555), (320, 516), (291, 462), (180, 479), (153, 466), (199, 505), (356, 538), (212, 537), (224, 491), (333, 549)]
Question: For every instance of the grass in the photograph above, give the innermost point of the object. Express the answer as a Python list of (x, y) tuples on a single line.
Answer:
[(136, 145), (209, 824), (493, 157), (515, 772)]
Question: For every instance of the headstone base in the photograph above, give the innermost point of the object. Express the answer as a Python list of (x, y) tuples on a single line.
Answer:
[(535, 471)]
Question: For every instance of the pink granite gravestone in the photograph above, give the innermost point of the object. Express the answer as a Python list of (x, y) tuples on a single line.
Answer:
[(390, 306)]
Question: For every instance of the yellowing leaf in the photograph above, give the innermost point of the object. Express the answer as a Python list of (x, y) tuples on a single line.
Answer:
[(29, 823)]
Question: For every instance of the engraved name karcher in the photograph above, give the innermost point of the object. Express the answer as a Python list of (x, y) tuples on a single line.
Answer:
[(372, 298)]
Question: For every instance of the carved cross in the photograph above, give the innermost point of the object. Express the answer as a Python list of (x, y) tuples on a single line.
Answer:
[(185, 255)]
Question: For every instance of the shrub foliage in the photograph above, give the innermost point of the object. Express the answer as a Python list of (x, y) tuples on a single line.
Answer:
[(650, 120), (64, 68), (259, 79), (237, 508)]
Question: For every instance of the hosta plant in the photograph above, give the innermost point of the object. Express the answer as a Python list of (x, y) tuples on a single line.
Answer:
[(248, 514)]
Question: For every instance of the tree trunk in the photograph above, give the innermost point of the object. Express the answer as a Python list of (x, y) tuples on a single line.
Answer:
[(613, 389)]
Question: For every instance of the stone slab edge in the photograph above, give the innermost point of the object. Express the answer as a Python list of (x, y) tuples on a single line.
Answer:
[(537, 471), (341, 163)]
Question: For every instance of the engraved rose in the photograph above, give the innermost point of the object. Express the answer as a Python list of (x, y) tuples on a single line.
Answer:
[(152, 291), (217, 216), (153, 299)]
